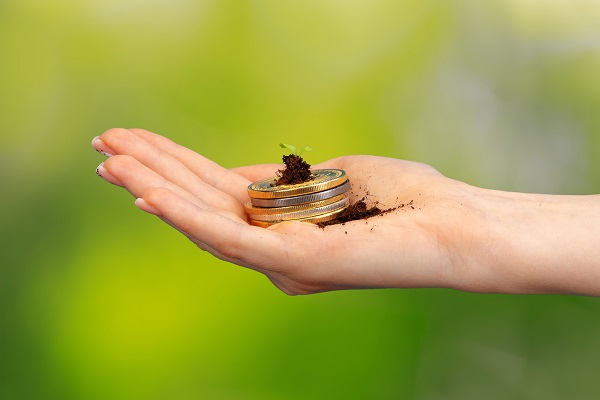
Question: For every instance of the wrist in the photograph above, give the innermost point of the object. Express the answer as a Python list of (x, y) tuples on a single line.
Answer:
[(531, 243)]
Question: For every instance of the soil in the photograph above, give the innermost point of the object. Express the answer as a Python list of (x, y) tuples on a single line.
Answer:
[(358, 211), (296, 171)]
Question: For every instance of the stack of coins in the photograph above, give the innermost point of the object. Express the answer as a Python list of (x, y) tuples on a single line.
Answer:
[(321, 199)]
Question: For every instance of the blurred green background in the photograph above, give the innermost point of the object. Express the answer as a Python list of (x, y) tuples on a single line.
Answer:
[(101, 301)]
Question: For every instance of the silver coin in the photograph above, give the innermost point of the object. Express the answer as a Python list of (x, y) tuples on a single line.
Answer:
[(252, 210), (302, 214), (307, 198)]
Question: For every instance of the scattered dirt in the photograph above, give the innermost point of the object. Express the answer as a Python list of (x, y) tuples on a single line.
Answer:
[(358, 211), (296, 171)]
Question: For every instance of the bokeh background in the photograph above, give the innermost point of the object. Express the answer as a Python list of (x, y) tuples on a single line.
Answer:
[(101, 301)]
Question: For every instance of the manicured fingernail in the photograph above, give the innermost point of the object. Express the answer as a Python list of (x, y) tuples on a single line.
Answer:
[(103, 173), (101, 147), (145, 206)]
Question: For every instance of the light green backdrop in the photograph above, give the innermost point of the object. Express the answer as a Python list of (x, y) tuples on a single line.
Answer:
[(100, 301)]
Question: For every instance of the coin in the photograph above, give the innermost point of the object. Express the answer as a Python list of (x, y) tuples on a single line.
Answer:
[(322, 179), (307, 198), (303, 212), (319, 218)]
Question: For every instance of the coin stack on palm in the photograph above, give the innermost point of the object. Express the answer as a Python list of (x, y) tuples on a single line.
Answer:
[(321, 199)]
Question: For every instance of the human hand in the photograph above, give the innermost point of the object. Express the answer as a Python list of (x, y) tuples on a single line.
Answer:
[(409, 247)]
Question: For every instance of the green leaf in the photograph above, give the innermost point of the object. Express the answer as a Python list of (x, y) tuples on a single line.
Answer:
[(289, 147), (305, 148)]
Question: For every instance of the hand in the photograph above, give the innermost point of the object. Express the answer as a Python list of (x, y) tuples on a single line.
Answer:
[(452, 235), (203, 200)]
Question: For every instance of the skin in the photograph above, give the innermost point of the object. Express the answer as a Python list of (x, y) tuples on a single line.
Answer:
[(453, 235)]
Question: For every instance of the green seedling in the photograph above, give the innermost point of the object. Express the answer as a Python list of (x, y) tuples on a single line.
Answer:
[(294, 149)]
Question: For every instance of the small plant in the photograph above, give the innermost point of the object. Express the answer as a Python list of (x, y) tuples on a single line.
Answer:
[(296, 169), (294, 149)]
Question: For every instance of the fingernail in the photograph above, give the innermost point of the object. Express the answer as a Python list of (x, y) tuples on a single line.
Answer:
[(103, 173), (145, 206), (101, 147)]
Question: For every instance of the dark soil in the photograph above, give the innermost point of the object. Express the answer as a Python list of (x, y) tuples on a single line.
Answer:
[(296, 171), (358, 211)]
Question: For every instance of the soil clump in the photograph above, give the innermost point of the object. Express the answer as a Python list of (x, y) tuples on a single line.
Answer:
[(296, 171), (357, 211)]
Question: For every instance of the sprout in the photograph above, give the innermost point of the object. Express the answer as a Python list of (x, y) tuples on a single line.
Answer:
[(294, 149)]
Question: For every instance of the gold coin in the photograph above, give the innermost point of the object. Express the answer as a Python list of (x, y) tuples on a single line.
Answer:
[(322, 179), (307, 213), (252, 210), (314, 220)]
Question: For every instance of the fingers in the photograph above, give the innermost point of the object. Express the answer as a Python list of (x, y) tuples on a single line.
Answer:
[(232, 241), (128, 172), (209, 171), (124, 142), (101, 147), (102, 172), (147, 207)]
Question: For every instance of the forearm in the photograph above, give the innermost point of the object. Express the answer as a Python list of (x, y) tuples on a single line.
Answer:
[(532, 243)]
